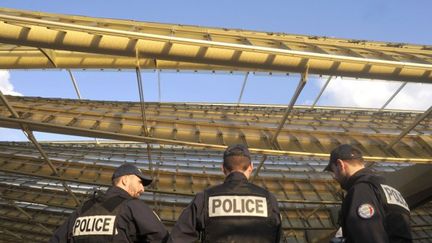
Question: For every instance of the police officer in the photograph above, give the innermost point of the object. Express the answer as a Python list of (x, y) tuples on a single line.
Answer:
[(116, 216), (372, 211), (235, 211)]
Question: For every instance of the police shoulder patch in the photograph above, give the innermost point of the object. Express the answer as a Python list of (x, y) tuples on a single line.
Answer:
[(366, 211)]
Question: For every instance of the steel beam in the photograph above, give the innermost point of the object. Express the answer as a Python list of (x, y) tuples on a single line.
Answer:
[(30, 136), (419, 119), (224, 125), (321, 91), (84, 37), (243, 87)]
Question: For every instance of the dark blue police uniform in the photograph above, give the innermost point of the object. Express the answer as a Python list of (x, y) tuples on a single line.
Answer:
[(113, 217), (374, 212), (235, 211)]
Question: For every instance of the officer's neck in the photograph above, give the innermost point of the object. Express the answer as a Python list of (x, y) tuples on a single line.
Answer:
[(351, 170), (245, 173)]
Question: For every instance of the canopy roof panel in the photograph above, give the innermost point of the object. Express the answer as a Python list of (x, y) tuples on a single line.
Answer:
[(181, 144), (205, 48)]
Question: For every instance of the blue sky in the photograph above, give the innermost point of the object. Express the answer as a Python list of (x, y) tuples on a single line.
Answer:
[(390, 21)]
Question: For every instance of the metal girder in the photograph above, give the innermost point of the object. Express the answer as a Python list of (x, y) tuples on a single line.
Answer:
[(29, 134), (50, 54), (9, 235), (393, 95), (174, 158), (144, 129), (226, 47), (187, 139), (243, 87), (420, 118), (321, 91), (301, 197), (74, 83), (18, 57), (294, 98), (276, 177), (24, 228), (168, 182), (19, 223), (23, 212), (174, 123)]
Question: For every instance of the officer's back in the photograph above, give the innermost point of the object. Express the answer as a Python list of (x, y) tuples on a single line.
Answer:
[(235, 211), (116, 216)]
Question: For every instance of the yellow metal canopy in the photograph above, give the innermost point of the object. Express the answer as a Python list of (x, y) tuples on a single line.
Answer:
[(198, 48), (308, 132), (180, 144)]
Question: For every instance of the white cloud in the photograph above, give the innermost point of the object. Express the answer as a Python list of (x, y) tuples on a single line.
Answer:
[(413, 96), (5, 85), (374, 94)]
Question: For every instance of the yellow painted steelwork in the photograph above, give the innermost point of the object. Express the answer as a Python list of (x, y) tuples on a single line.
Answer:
[(215, 126), (180, 144), (234, 49)]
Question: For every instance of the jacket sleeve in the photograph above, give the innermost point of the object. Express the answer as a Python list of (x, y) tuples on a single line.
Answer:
[(64, 232), (190, 223), (147, 223), (365, 225), (277, 218)]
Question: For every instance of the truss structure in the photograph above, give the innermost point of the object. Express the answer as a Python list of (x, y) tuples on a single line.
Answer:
[(181, 144), (189, 47)]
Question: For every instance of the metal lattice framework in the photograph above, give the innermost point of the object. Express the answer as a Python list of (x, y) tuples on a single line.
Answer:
[(180, 144), (189, 47)]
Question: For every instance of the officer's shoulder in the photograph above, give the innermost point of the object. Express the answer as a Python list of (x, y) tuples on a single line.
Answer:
[(258, 188), (363, 187), (199, 198), (211, 188), (136, 203)]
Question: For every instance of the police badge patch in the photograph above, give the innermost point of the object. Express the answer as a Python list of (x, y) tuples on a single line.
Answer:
[(366, 211)]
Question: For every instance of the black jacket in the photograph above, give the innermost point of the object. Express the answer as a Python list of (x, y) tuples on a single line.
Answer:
[(135, 221), (369, 214), (195, 224)]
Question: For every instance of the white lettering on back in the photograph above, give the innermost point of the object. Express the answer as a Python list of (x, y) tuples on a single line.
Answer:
[(94, 225), (393, 196), (253, 206)]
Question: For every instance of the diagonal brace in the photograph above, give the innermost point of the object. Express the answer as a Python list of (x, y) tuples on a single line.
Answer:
[(419, 119), (31, 137)]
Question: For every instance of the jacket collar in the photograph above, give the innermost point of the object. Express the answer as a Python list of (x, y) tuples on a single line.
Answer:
[(117, 191), (358, 176), (236, 176)]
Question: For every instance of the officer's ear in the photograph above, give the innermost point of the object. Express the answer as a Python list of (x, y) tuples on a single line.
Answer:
[(250, 167), (124, 180), (224, 170), (340, 164)]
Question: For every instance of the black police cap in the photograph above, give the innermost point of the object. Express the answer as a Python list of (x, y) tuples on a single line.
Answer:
[(130, 169), (343, 152)]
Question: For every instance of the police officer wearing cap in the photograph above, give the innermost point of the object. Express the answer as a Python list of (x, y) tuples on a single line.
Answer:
[(235, 211), (372, 211), (116, 216)]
